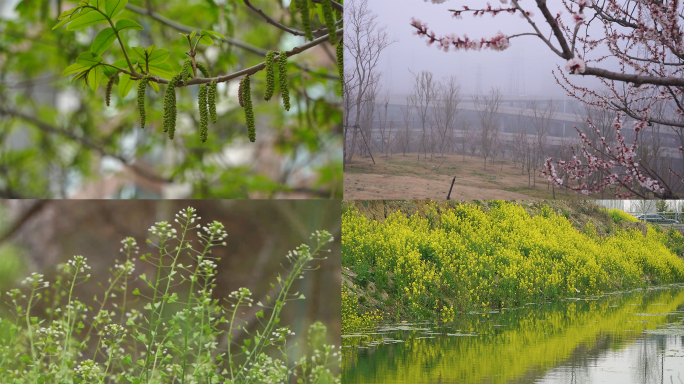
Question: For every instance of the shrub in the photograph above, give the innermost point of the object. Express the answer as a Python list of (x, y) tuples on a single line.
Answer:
[(173, 339)]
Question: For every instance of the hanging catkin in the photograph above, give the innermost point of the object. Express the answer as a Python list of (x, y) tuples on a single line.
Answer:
[(211, 101), (186, 70), (303, 6), (141, 98), (249, 112), (170, 112), (326, 5), (108, 90), (340, 64), (204, 119), (282, 74), (270, 75)]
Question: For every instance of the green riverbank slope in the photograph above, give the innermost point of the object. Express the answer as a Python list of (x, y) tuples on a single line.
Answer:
[(405, 260)]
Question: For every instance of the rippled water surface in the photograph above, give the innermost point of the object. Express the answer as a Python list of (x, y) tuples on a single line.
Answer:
[(633, 337)]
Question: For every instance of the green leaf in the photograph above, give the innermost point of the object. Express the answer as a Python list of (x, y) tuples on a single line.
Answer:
[(151, 49), (90, 18), (302, 296), (162, 69), (125, 24), (67, 14), (154, 85), (73, 68), (94, 77), (215, 34), (103, 41), (136, 291), (260, 314), (247, 342), (127, 360), (73, 16), (206, 40), (113, 7), (159, 56), (140, 52), (80, 325), (108, 71), (88, 59), (193, 34), (26, 359)]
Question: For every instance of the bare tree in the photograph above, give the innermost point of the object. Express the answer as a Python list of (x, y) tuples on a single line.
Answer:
[(542, 116), (487, 107), (404, 137), (449, 96), (364, 40), (423, 98), (384, 126), (465, 134)]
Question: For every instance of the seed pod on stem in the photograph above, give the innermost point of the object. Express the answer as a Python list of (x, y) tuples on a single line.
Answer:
[(282, 74), (204, 119), (270, 75), (141, 98)]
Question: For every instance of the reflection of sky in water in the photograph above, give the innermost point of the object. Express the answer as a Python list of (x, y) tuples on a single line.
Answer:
[(652, 359), (635, 337)]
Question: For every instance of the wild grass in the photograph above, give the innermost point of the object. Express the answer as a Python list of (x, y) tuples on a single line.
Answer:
[(172, 339)]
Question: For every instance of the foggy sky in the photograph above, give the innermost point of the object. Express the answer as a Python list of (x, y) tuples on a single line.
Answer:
[(410, 51)]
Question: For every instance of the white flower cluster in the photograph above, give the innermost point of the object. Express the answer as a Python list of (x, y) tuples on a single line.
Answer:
[(214, 232), (114, 329), (79, 264), (36, 281), (163, 230), (89, 370), (266, 370), (129, 245), (187, 217)]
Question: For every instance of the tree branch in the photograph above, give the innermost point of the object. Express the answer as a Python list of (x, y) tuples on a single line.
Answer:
[(187, 29), (252, 69), (636, 79), (83, 141)]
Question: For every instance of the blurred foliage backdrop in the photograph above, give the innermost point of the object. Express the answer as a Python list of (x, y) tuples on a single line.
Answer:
[(60, 140), (35, 236)]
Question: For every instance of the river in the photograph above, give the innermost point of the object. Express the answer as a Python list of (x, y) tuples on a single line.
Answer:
[(628, 337)]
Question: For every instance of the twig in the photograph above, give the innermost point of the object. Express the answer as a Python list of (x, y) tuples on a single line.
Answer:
[(452, 187)]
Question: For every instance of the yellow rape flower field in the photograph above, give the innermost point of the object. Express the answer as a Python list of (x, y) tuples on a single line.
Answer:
[(467, 257)]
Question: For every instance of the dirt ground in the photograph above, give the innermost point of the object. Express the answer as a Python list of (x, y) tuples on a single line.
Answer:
[(404, 177)]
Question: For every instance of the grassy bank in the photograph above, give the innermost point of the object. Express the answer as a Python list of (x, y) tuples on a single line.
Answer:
[(449, 258)]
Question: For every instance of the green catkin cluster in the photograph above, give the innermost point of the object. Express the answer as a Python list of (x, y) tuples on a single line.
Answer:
[(246, 94), (326, 6), (204, 119), (170, 112), (211, 92), (303, 7), (203, 69), (141, 98), (270, 75), (211, 101), (108, 90), (340, 63), (240, 101), (186, 69), (338, 14), (282, 74)]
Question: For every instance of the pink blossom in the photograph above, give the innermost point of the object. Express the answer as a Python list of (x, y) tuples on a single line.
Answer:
[(575, 66)]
